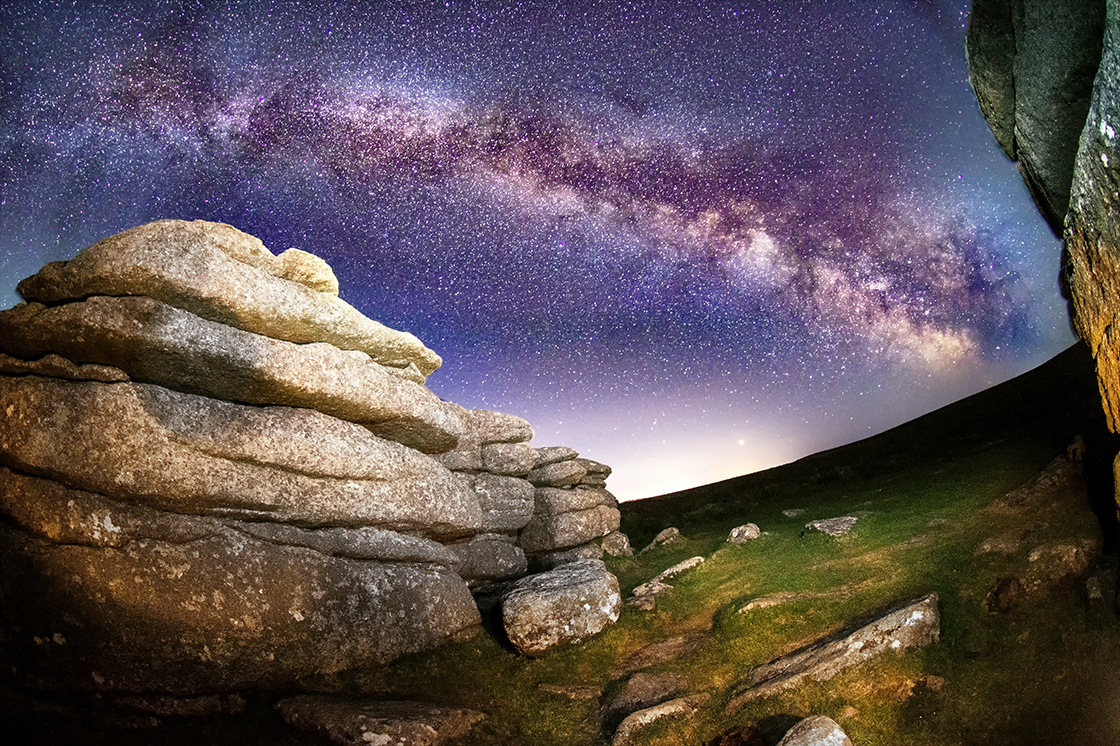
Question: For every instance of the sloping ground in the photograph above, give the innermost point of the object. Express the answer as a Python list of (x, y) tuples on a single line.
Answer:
[(952, 504), (1048, 406)]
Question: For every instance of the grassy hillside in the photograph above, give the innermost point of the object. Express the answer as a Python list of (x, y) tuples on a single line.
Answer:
[(1047, 406), (1026, 655)]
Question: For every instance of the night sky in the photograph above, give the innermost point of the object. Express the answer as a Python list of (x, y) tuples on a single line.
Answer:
[(689, 239)]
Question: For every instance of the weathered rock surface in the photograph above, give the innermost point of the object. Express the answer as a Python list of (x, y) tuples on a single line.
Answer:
[(560, 474), (190, 454), (560, 607), (542, 561), (127, 598), (371, 723), (549, 532), (1042, 58), (644, 690), (816, 731), (155, 343), (743, 534), (1032, 64), (219, 273), (506, 502), (482, 427), (914, 625), (489, 557), (665, 536), (59, 367), (554, 454), (512, 459), (1093, 226), (617, 544), (629, 731), (841, 526), (213, 479)]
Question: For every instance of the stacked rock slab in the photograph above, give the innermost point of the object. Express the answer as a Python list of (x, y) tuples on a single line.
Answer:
[(574, 516), (491, 461), (214, 473), (541, 506)]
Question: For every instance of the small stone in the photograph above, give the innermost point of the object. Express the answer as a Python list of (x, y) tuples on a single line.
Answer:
[(667, 536), (362, 723), (833, 526), (816, 731), (793, 512), (743, 534), (617, 544)]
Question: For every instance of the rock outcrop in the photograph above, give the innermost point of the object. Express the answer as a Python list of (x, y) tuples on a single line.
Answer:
[(1047, 75), (1032, 64), (217, 476)]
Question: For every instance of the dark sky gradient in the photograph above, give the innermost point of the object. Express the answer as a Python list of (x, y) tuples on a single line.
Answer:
[(690, 240)]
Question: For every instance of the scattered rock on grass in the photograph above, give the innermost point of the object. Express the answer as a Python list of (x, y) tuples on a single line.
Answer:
[(668, 536), (793, 512), (643, 595), (914, 625), (644, 690), (628, 730), (560, 607), (369, 723), (743, 534), (816, 731), (661, 652), (833, 526)]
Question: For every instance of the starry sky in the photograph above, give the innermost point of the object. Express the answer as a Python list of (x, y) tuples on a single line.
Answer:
[(689, 239)]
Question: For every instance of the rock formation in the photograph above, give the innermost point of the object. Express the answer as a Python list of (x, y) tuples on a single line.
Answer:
[(215, 475), (1047, 75)]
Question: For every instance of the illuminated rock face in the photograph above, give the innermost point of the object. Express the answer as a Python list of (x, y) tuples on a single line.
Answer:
[(217, 476), (1053, 69)]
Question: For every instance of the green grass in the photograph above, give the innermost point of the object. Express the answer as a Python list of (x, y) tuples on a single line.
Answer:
[(1018, 678)]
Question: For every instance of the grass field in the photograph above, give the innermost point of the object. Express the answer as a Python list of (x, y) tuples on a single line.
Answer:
[(1048, 671)]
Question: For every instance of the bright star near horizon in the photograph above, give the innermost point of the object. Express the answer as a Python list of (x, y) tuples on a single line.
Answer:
[(635, 227)]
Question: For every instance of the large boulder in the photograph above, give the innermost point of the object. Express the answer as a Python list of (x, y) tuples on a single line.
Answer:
[(219, 273), (190, 454), (157, 343), (1093, 227), (560, 607), (102, 595), (1032, 64)]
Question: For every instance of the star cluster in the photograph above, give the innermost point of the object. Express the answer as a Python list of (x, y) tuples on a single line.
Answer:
[(688, 239)]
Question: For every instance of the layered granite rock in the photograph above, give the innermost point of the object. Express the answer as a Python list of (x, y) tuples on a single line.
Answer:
[(1064, 88), (217, 476), (550, 504), (1032, 64)]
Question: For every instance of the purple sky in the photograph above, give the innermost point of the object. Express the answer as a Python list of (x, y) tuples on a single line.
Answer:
[(690, 240)]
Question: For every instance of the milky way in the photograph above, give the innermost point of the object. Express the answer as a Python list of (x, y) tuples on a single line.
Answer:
[(690, 240)]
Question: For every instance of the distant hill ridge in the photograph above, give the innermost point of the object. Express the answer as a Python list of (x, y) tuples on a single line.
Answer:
[(1059, 397)]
